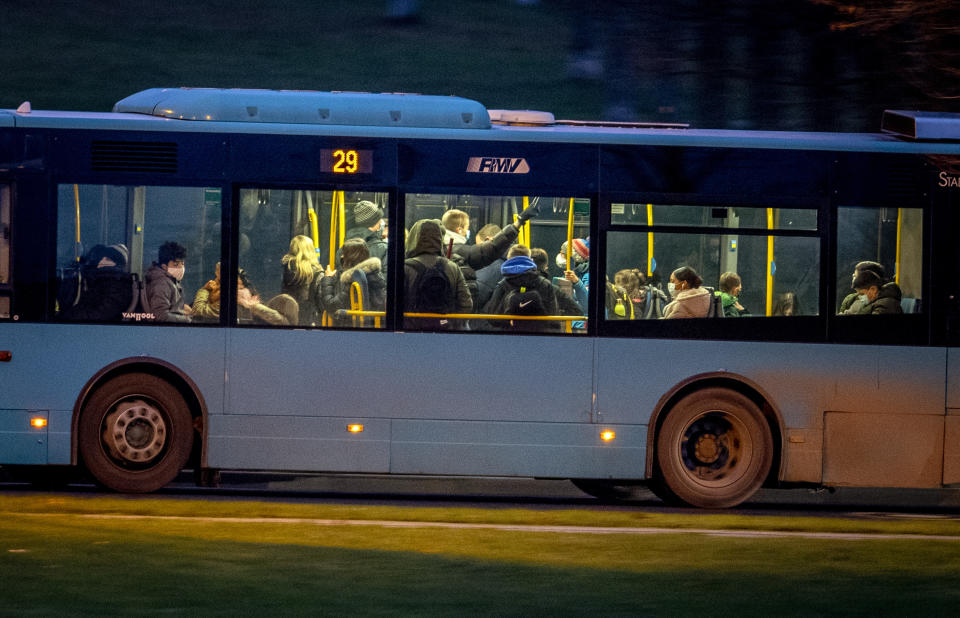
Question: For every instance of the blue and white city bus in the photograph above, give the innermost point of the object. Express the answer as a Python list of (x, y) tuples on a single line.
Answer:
[(706, 410)]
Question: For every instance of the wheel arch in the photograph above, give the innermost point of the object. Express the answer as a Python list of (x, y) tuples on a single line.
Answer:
[(161, 369), (719, 379)]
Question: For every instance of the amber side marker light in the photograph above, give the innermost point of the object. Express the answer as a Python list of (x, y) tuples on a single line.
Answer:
[(607, 435), (38, 423), (356, 428)]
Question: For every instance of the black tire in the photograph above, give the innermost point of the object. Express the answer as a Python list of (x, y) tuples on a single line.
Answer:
[(714, 450), (135, 433)]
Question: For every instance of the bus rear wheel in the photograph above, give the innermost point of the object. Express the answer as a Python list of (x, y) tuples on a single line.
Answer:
[(135, 433), (714, 450)]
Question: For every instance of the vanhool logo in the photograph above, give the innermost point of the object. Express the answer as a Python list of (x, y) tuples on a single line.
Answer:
[(498, 165)]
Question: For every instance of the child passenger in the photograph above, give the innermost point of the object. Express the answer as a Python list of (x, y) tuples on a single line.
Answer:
[(730, 288)]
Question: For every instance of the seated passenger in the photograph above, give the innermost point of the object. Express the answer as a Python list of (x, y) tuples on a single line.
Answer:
[(335, 285), (648, 301), (873, 297), (689, 299), (102, 289), (787, 305), (164, 292), (251, 310), (301, 278), (851, 304), (522, 291), (206, 304), (432, 283), (729, 292)]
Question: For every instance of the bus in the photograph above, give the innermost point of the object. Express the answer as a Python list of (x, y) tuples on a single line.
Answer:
[(801, 389)]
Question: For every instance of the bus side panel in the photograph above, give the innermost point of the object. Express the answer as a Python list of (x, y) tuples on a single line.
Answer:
[(71, 354), (802, 381), (418, 377)]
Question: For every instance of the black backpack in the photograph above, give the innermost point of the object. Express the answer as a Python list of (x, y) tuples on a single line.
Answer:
[(432, 292), (522, 301)]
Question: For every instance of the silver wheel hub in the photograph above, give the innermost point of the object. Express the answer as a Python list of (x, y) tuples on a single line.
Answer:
[(135, 432)]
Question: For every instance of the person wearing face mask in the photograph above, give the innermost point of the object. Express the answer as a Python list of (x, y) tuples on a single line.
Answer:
[(852, 305), (873, 297), (164, 292), (689, 299)]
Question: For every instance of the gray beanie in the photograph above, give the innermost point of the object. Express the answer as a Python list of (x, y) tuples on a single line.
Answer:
[(367, 213)]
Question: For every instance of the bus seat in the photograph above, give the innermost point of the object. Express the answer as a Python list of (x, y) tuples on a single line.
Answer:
[(910, 305), (716, 303)]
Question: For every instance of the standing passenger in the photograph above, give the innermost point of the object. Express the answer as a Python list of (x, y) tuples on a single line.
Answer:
[(368, 218), (432, 283), (301, 278), (354, 258), (164, 292)]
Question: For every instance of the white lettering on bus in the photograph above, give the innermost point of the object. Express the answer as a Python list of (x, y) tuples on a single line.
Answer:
[(138, 316), (946, 180), (498, 165)]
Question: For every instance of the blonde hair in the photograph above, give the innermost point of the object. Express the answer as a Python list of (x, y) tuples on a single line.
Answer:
[(518, 249), (302, 258), (453, 219)]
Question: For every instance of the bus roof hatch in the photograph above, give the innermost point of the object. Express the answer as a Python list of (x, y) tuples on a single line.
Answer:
[(308, 107)]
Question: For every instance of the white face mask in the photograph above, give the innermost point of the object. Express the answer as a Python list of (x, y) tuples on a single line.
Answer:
[(466, 235), (177, 272), (672, 288), (562, 261), (864, 299)]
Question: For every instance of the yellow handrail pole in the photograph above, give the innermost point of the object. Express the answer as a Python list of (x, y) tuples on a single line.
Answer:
[(341, 219), (314, 229), (769, 263), (325, 319), (356, 302), (649, 240), (76, 208), (570, 235), (896, 264), (333, 231), (526, 226)]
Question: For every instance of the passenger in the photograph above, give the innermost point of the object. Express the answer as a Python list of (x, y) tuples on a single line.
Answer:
[(565, 303), (689, 299), (251, 310), (851, 304), (432, 283), (787, 305), (335, 285), (579, 276), (282, 309), (873, 297), (729, 292), (301, 278), (489, 275), (523, 291), (164, 291), (102, 289), (631, 281), (471, 258), (368, 218)]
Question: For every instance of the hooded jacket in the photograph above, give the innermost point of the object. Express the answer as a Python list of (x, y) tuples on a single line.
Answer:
[(692, 303), (521, 272), (165, 295), (424, 242), (887, 302)]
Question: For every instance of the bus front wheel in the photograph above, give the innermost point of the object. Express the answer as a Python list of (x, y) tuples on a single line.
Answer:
[(714, 450), (135, 433)]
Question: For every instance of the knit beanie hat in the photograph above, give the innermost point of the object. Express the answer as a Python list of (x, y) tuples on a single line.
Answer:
[(367, 213), (582, 247)]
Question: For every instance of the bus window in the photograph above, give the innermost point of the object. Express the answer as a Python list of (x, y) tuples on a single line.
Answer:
[(508, 264), (752, 273), (5, 278), (887, 243), (110, 236), (312, 258)]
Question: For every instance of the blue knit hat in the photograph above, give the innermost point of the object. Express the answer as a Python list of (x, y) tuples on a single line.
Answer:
[(517, 265)]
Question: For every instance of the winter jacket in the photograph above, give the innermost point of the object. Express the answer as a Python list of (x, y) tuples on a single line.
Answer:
[(165, 295), (105, 293), (423, 245), (692, 303), (887, 302), (483, 254), (851, 304), (209, 311), (487, 279), (521, 272), (306, 292), (335, 290), (375, 243), (729, 303)]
